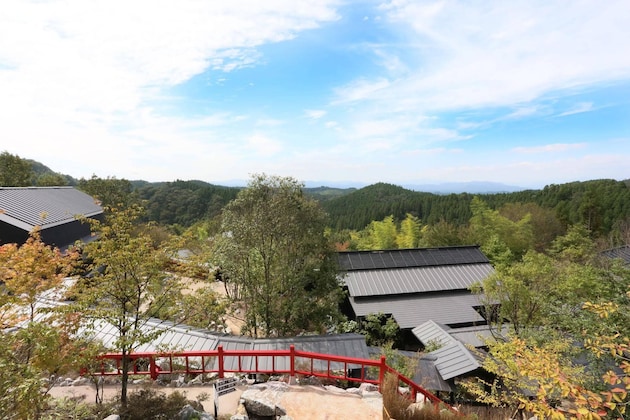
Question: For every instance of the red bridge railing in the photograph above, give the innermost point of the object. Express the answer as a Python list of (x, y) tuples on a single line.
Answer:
[(221, 361)]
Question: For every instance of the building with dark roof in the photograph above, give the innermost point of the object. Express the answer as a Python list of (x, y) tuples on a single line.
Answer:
[(622, 253), (53, 210), (416, 285)]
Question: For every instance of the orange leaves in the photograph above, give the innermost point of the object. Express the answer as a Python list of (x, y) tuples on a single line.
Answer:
[(32, 268)]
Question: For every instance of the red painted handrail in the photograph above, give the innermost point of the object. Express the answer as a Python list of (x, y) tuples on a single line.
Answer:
[(207, 366)]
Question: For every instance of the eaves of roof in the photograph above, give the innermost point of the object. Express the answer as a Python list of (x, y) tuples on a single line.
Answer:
[(411, 310)]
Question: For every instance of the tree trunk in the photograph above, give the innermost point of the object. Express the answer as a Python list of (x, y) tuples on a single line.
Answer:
[(125, 378)]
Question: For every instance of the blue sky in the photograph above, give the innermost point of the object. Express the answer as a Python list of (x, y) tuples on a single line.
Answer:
[(524, 92)]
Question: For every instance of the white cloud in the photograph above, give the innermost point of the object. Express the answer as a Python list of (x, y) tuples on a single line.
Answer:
[(500, 53), (436, 151), (578, 109), (315, 113), (261, 145), (361, 89), (269, 122), (550, 148), (80, 80)]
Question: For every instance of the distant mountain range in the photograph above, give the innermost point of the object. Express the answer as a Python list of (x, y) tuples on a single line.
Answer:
[(473, 187)]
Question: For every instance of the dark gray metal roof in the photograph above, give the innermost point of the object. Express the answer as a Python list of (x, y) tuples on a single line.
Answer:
[(622, 252), (426, 374), (477, 335), (431, 332), (453, 358), (172, 338), (28, 207), (406, 258), (411, 310), (415, 279), (349, 345)]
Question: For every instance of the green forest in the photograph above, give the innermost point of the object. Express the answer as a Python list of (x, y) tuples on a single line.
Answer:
[(602, 206), (273, 243)]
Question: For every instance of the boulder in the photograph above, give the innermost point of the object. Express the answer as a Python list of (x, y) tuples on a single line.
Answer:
[(264, 399), (355, 391), (241, 413), (80, 381), (189, 413), (366, 387), (335, 389)]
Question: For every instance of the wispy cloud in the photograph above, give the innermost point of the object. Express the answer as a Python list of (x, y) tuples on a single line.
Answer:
[(164, 90), (262, 145), (77, 72), (359, 90), (550, 148), (315, 113), (578, 109), (496, 54)]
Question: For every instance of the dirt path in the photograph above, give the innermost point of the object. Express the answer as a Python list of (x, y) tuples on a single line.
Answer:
[(233, 321), (314, 403), (301, 402)]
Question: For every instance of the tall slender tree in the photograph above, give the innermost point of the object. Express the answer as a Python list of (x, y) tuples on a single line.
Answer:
[(130, 286)]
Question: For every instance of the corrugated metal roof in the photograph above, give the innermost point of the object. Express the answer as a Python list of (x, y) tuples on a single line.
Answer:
[(406, 258), (428, 376), (412, 310), (415, 280), (44, 206), (172, 338), (476, 336), (454, 359), (349, 345), (183, 338), (622, 252), (430, 332)]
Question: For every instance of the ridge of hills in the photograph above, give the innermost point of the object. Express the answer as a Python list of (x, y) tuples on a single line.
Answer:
[(605, 202), (323, 189)]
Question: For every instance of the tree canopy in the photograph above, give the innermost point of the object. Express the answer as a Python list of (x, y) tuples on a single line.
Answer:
[(14, 171), (278, 261), (129, 286)]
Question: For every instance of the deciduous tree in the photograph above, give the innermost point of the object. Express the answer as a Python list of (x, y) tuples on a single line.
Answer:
[(130, 288), (31, 349), (273, 249), (14, 171), (488, 228), (111, 192)]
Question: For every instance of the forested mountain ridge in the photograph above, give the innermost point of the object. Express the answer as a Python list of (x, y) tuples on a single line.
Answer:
[(598, 204), (357, 209), (601, 205), (184, 202)]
